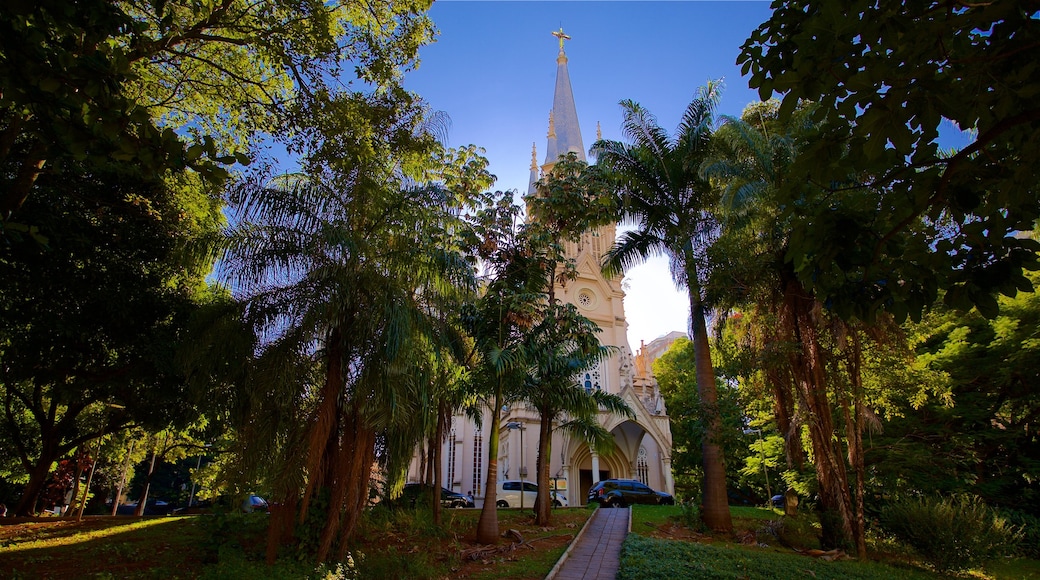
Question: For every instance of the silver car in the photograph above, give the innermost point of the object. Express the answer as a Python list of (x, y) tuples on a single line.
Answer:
[(509, 494)]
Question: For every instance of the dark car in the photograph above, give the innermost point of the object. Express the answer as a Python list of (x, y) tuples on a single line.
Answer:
[(154, 507), (415, 493), (623, 492), (254, 504)]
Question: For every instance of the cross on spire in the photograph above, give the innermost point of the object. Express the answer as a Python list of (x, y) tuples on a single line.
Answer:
[(559, 34)]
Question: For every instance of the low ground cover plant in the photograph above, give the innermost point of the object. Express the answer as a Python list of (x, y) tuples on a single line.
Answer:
[(644, 558), (952, 533)]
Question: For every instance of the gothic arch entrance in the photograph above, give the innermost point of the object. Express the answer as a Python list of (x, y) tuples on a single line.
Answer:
[(636, 455)]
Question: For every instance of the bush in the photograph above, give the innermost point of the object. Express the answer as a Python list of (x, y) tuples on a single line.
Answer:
[(950, 533)]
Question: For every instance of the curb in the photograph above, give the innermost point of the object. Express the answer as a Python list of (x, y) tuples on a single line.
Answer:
[(563, 557)]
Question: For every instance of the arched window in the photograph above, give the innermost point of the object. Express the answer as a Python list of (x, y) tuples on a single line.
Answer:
[(450, 476), (642, 468), (592, 379), (478, 465)]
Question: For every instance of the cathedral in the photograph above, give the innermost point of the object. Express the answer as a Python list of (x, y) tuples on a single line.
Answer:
[(643, 444)]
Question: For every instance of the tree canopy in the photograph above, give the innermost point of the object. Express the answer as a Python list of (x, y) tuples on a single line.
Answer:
[(889, 77)]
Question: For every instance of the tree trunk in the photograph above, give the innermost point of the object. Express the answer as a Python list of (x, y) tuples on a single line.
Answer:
[(141, 503), (122, 479), (436, 451), (807, 364), (487, 525), (37, 482), (355, 480), (854, 437), (716, 507), (74, 502), (543, 501)]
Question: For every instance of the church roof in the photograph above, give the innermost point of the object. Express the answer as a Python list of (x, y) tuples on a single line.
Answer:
[(564, 133)]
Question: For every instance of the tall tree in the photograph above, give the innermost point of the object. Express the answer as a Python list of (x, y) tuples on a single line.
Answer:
[(797, 339), (563, 346), (676, 373), (346, 265), (571, 201), (93, 316), (661, 191), (977, 426), (500, 322)]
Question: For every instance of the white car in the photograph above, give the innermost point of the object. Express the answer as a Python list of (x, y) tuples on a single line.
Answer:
[(509, 494)]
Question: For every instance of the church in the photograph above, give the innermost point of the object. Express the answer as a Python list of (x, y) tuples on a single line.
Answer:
[(643, 445)]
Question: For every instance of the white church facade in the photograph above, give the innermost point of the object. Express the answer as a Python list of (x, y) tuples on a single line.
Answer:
[(643, 444)]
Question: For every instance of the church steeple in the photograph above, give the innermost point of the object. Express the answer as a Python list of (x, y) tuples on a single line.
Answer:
[(532, 187), (564, 119)]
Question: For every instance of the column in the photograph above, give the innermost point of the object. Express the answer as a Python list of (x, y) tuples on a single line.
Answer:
[(595, 467), (565, 472), (669, 482)]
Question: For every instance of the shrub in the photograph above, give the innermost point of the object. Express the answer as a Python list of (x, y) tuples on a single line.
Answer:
[(691, 516), (1030, 526), (950, 533)]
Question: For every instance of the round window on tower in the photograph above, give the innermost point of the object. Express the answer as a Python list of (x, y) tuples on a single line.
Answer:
[(586, 299)]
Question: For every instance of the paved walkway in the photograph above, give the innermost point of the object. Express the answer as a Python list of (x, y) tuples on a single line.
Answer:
[(595, 555)]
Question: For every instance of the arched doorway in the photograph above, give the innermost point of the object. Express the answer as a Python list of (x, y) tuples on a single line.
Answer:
[(622, 463)]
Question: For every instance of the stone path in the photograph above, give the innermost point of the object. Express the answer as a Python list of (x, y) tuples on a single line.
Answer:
[(595, 554)]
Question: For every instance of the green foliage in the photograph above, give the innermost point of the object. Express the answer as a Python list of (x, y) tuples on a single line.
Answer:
[(953, 533), (898, 218), (94, 322), (975, 428), (651, 559), (675, 371), (175, 84), (1030, 527), (690, 515), (232, 532)]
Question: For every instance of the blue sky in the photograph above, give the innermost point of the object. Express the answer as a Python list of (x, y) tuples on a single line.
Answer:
[(493, 69)]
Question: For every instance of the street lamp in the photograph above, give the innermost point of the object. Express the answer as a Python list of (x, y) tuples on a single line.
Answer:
[(765, 470), (523, 470)]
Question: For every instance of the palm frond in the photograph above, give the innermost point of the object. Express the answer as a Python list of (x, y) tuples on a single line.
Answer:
[(634, 247)]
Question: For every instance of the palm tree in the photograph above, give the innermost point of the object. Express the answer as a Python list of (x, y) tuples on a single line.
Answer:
[(661, 191), (563, 346), (500, 323), (349, 282)]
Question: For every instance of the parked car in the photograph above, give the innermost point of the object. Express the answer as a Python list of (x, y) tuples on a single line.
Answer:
[(623, 492), (509, 494), (154, 507), (415, 493), (254, 503)]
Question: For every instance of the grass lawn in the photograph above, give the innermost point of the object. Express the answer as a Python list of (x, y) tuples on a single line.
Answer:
[(403, 545), (661, 547)]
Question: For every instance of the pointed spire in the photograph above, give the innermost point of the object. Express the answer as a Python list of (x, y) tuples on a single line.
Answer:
[(532, 183), (565, 136), (550, 146), (599, 132)]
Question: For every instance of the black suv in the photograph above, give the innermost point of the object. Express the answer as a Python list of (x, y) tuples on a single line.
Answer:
[(623, 492), (415, 493)]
